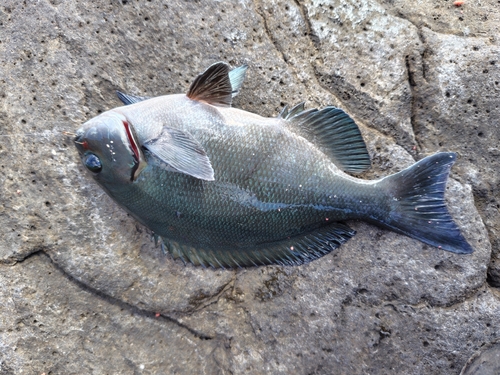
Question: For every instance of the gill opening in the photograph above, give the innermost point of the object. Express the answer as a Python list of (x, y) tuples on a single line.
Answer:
[(139, 162)]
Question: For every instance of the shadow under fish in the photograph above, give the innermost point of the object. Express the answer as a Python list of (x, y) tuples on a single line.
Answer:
[(223, 187)]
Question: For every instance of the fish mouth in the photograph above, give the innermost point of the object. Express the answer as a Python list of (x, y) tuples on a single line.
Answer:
[(80, 144), (77, 138)]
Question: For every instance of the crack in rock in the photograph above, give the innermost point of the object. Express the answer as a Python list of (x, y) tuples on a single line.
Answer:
[(117, 302), (260, 11), (310, 33), (22, 256)]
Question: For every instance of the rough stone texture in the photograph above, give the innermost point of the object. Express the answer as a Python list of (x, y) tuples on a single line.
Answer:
[(54, 325), (486, 361), (417, 78)]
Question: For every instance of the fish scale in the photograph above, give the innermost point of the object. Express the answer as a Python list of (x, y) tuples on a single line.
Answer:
[(258, 202), (224, 188)]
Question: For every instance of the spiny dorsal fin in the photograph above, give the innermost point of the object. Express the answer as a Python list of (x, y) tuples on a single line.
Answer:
[(213, 86), (290, 252), (237, 76), (130, 99), (334, 132), (286, 114)]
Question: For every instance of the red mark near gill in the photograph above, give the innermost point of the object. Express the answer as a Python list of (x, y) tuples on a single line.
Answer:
[(84, 144), (131, 140)]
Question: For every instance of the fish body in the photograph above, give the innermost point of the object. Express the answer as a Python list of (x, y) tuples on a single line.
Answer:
[(224, 187)]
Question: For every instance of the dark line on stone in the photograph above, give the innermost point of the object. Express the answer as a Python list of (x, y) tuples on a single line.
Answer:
[(194, 332), (10, 261), (123, 305), (412, 83), (314, 38), (260, 12)]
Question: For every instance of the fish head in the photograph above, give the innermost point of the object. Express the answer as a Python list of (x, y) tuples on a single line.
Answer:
[(109, 149)]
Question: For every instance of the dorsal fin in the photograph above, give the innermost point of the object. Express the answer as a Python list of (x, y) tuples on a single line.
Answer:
[(237, 76), (213, 86), (130, 99), (288, 114), (334, 132)]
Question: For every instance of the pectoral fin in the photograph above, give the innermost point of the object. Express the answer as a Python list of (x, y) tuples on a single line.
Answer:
[(179, 150)]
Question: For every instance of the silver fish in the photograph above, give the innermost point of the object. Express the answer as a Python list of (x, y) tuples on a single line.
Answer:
[(224, 187)]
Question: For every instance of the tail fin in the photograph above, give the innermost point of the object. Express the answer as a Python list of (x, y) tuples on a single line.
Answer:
[(418, 209)]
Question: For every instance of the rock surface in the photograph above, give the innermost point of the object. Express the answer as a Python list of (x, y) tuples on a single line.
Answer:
[(486, 361), (86, 291)]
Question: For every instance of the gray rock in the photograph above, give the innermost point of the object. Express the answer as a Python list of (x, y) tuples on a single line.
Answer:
[(382, 303), (54, 325), (484, 362), (456, 107)]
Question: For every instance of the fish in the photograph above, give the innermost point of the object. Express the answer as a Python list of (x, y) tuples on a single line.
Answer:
[(222, 187)]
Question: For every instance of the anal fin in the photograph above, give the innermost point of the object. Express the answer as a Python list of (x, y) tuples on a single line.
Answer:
[(291, 252)]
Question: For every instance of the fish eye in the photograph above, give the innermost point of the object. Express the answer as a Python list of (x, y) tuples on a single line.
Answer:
[(93, 163)]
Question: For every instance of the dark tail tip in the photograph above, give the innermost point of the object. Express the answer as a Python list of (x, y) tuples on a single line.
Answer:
[(417, 206)]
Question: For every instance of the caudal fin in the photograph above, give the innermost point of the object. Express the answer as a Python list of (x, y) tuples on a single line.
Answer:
[(417, 207)]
